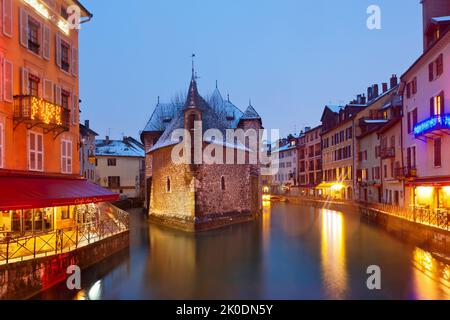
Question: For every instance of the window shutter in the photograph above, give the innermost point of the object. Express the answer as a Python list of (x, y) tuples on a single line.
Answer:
[(7, 16), (46, 42), (40, 152), (63, 156), (430, 72), (431, 107), (23, 27), (69, 156), (75, 109), (48, 90), (1, 77), (58, 50), (57, 95), (8, 81), (74, 61), (440, 64), (25, 80)]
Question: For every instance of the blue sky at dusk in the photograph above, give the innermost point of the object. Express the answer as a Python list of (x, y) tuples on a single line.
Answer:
[(291, 57)]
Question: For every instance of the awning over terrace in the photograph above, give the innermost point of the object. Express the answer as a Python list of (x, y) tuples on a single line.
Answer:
[(21, 192)]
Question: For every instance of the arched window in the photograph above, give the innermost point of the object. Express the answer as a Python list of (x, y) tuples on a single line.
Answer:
[(168, 186), (222, 183)]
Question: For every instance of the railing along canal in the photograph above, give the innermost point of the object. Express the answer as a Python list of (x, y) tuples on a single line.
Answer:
[(16, 247)]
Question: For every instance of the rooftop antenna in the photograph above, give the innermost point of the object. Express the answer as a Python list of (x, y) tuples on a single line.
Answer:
[(228, 97), (217, 84)]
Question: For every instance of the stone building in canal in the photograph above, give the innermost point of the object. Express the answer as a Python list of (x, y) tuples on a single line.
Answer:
[(195, 196)]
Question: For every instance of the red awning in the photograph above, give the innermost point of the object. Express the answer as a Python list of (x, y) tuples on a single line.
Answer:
[(43, 192)]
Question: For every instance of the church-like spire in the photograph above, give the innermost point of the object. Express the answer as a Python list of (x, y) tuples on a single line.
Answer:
[(193, 100)]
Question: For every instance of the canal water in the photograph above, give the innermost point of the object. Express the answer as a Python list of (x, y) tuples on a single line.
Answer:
[(292, 252)]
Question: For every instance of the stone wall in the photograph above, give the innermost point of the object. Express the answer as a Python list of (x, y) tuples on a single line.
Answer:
[(180, 201), (211, 199), (23, 280)]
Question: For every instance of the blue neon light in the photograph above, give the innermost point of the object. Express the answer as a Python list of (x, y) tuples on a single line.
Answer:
[(431, 124)]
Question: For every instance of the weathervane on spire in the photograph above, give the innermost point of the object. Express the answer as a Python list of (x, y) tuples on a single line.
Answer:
[(193, 66)]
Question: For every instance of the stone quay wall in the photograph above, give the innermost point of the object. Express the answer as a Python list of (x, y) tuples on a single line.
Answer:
[(25, 279)]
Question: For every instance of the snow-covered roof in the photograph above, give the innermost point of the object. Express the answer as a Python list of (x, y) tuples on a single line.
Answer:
[(250, 114), (441, 19), (284, 148), (128, 147), (217, 113), (375, 121), (335, 108)]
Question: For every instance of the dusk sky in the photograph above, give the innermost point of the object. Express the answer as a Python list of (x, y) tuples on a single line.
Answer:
[(291, 57)]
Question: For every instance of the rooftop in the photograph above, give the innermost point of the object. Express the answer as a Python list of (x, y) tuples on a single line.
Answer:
[(127, 147)]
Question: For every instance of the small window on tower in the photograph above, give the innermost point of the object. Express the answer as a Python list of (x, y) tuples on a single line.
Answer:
[(168, 185), (222, 183)]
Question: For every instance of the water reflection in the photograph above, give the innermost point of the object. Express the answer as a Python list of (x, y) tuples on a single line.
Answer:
[(431, 277), (334, 267), (291, 252)]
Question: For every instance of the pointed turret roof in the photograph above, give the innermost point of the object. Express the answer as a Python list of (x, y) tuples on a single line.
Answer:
[(193, 98), (250, 114)]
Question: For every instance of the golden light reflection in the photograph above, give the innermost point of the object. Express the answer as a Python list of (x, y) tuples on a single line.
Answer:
[(266, 223), (431, 276), (333, 253)]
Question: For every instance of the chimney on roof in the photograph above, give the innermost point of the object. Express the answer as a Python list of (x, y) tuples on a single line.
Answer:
[(385, 87), (307, 129), (86, 123), (107, 139), (363, 99), (369, 93), (394, 81), (359, 99), (375, 91)]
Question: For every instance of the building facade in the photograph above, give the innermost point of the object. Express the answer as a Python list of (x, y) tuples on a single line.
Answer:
[(192, 194), (374, 154), (87, 148), (120, 165), (41, 190), (338, 152), (309, 152), (286, 176), (426, 125)]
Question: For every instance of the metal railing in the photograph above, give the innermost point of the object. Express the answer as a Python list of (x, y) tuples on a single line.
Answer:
[(405, 173), (31, 108), (439, 218), (14, 248)]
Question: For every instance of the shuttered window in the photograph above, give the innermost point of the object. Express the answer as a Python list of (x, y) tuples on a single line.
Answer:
[(35, 151), (66, 156), (8, 81), (437, 152), (7, 14)]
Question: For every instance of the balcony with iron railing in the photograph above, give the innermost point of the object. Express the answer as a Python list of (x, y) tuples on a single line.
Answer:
[(35, 111), (405, 173), (386, 152)]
